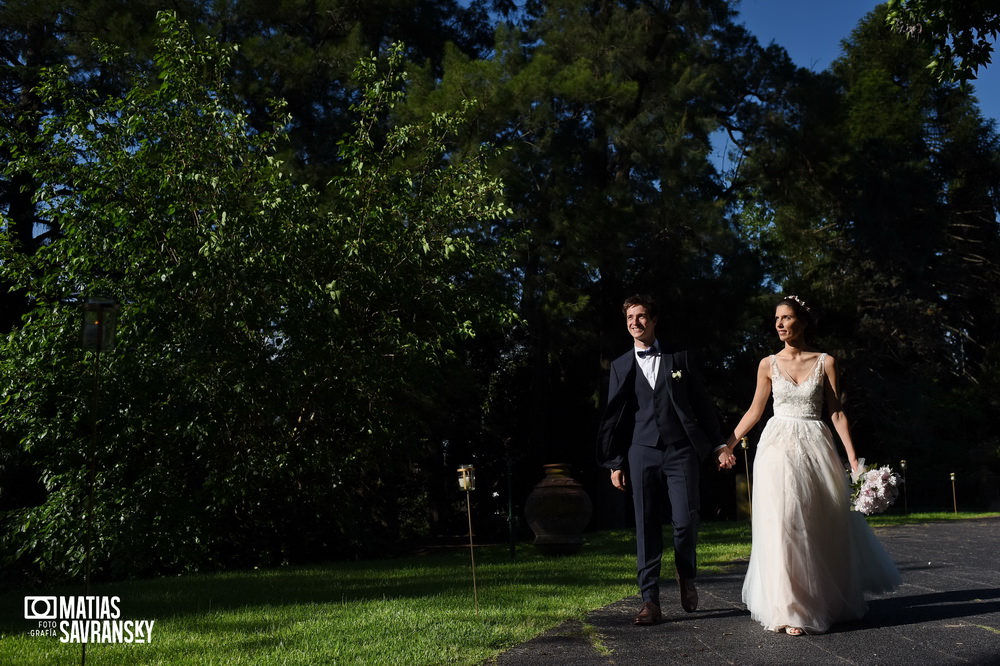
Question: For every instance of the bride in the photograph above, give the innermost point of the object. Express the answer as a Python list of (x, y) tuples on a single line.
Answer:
[(812, 558)]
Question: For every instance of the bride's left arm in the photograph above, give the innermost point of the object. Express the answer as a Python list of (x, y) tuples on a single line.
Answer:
[(836, 410)]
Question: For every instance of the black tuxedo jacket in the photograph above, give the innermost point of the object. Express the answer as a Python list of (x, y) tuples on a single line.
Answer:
[(678, 381)]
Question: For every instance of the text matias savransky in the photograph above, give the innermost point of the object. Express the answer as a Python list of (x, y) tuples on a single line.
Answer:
[(85, 619)]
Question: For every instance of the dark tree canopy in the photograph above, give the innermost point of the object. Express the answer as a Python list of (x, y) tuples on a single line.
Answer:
[(881, 201), (357, 244)]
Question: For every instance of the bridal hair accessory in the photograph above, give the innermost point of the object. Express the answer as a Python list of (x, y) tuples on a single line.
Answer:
[(802, 303), (873, 489)]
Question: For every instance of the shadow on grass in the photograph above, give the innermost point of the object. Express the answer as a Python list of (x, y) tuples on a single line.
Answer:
[(441, 573)]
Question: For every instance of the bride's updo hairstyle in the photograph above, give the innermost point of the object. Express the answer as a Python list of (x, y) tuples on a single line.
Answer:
[(803, 313)]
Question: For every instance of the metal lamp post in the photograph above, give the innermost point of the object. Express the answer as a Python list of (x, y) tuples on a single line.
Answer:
[(100, 319), (467, 482)]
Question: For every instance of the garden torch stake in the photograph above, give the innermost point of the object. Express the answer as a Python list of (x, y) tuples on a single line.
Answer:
[(467, 482), (906, 504), (100, 316)]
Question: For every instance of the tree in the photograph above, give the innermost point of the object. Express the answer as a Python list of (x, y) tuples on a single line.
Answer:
[(301, 52), (304, 52), (271, 349), (877, 196), (961, 32), (607, 112), (45, 34)]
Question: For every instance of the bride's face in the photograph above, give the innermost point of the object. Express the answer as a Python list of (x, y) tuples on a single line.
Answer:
[(787, 324)]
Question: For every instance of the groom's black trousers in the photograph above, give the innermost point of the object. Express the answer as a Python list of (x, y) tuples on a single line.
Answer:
[(658, 474)]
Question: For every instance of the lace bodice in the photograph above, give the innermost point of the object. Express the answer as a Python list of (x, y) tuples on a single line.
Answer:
[(801, 401)]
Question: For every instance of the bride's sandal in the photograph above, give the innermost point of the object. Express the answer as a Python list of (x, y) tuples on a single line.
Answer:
[(794, 631)]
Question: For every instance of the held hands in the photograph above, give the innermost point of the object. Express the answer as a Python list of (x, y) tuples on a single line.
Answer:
[(726, 458)]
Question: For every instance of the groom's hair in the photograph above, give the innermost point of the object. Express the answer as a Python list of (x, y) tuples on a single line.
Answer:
[(644, 300)]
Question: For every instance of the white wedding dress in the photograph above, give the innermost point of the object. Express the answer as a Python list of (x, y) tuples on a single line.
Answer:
[(812, 559)]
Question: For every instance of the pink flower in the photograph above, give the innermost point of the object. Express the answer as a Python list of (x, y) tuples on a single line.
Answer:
[(874, 489)]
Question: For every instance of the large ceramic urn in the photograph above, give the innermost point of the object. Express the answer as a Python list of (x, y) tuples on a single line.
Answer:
[(558, 509)]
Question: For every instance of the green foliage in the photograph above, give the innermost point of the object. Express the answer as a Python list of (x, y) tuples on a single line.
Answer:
[(305, 51), (318, 294), (961, 32), (271, 350), (606, 111), (877, 200)]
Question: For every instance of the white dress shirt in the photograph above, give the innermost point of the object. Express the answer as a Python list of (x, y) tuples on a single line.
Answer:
[(649, 364)]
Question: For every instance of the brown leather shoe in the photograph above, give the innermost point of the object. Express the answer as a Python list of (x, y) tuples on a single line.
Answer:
[(650, 614), (689, 594)]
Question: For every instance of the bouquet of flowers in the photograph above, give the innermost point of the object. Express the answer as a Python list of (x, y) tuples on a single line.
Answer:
[(873, 489)]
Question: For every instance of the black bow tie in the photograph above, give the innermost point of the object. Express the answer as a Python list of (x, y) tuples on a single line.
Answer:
[(651, 351)]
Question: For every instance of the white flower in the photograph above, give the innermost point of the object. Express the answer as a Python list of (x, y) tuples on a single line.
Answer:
[(676, 374)]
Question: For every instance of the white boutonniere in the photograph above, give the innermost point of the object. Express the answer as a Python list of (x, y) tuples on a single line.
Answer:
[(677, 374)]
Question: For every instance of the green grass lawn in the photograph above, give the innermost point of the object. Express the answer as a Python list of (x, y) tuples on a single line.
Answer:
[(413, 610)]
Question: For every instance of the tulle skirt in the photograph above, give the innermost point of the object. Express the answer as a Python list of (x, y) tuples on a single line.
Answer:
[(813, 559)]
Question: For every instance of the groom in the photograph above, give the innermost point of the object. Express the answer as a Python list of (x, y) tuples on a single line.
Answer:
[(658, 426)]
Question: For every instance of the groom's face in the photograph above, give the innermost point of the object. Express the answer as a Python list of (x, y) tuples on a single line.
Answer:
[(641, 326)]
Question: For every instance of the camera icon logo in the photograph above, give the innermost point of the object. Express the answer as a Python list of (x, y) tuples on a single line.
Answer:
[(40, 608)]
